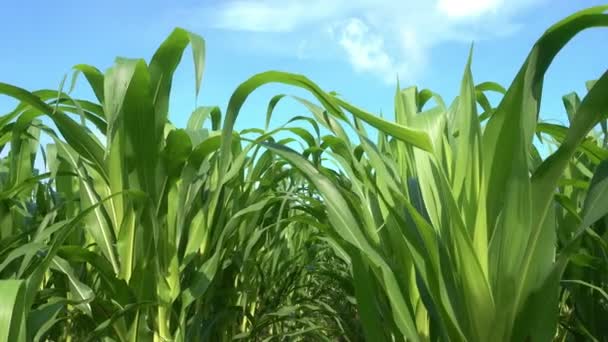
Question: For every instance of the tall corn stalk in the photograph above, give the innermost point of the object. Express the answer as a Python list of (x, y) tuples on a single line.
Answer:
[(450, 227), (445, 228)]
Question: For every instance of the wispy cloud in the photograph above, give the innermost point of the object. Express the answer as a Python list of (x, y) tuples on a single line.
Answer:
[(393, 38), (365, 49), (271, 15), (467, 9)]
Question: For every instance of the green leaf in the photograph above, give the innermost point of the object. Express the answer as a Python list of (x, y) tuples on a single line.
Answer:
[(596, 201), (12, 311)]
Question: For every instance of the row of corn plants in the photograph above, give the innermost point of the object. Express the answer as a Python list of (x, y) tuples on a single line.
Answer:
[(446, 224), (144, 236)]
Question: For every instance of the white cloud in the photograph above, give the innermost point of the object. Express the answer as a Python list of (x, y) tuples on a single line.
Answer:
[(467, 8), (269, 16), (365, 50), (394, 37)]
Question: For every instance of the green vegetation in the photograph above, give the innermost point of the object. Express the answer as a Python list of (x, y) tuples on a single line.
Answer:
[(447, 225)]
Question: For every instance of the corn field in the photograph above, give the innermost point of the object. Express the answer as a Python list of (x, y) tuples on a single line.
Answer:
[(469, 221)]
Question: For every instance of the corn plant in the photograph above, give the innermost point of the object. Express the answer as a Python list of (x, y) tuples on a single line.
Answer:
[(583, 295), (444, 224), (450, 226), (139, 235)]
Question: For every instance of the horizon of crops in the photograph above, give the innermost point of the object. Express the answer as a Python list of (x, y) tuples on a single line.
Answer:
[(449, 225)]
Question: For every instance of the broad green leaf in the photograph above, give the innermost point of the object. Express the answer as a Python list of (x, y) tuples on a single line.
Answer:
[(12, 311)]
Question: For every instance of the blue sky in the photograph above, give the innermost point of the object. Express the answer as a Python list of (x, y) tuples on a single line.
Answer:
[(356, 47)]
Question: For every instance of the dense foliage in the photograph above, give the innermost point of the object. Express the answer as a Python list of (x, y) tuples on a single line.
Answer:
[(446, 224)]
